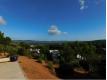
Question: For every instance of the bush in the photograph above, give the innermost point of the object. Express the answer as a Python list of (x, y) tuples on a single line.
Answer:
[(20, 51), (27, 53), (40, 60), (75, 63), (1, 48), (84, 64), (24, 52), (11, 50), (50, 65)]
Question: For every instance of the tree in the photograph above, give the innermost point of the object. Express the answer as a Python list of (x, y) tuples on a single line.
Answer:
[(67, 54), (24, 45), (1, 35), (89, 52), (44, 51), (4, 41), (7, 40), (24, 49), (21, 51)]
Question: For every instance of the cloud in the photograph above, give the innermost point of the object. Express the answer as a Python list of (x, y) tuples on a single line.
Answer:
[(82, 4), (53, 30), (65, 33), (2, 21)]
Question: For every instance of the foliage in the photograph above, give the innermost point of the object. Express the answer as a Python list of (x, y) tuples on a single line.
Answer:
[(24, 45), (23, 49), (67, 54), (11, 50), (40, 60), (4, 40), (50, 65), (1, 48), (4, 43), (24, 52), (41, 57), (44, 50), (92, 52)]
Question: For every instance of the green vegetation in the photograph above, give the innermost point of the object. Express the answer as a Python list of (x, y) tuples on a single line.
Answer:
[(92, 53), (5, 44), (23, 50), (50, 65)]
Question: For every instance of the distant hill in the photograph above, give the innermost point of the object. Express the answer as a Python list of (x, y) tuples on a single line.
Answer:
[(58, 42), (39, 42), (99, 43)]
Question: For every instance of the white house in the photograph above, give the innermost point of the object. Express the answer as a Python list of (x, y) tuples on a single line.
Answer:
[(80, 57)]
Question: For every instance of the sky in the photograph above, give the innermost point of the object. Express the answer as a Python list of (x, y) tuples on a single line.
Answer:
[(47, 20)]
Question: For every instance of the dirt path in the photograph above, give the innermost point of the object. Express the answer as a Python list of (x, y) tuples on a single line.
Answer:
[(35, 70)]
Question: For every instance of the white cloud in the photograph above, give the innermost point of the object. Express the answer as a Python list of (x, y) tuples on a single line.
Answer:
[(65, 33), (53, 30), (2, 21), (82, 4)]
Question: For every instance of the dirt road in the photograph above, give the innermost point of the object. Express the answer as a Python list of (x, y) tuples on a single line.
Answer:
[(35, 70)]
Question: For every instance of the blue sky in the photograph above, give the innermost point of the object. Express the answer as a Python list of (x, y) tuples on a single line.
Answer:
[(53, 19)]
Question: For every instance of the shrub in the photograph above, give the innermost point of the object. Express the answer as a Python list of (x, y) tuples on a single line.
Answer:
[(1, 48), (27, 53), (75, 63), (24, 52), (50, 65), (40, 60), (11, 50)]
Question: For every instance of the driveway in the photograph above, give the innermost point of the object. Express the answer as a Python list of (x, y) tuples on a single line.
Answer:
[(11, 71)]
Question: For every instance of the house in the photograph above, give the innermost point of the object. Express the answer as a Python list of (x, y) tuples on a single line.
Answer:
[(80, 57), (35, 51), (55, 54)]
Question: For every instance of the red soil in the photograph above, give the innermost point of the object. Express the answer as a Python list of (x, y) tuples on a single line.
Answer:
[(35, 70)]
